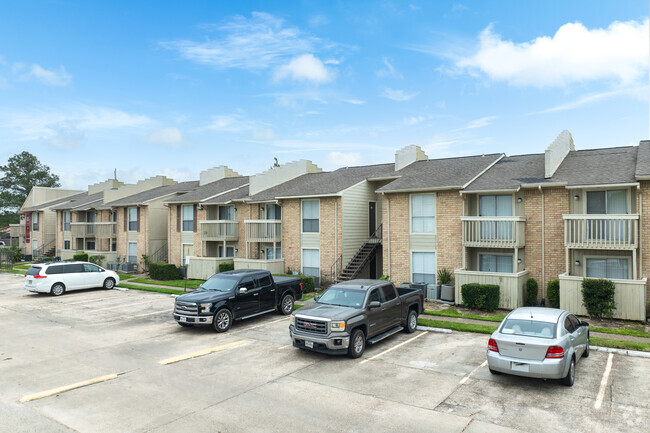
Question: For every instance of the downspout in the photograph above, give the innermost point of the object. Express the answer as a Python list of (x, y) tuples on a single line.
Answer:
[(543, 303), (388, 229), (336, 237), (169, 232), (640, 204)]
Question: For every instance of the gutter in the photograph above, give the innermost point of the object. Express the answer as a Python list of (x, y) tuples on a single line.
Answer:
[(543, 303), (606, 185)]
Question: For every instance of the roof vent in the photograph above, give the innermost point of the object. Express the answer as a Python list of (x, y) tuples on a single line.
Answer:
[(556, 152)]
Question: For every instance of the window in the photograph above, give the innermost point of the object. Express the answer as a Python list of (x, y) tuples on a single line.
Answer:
[(273, 212), (247, 282), (607, 202), (269, 254), (67, 218), (90, 245), (91, 217), (226, 213), (310, 216), (423, 213), (264, 281), (230, 251), (73, 269), (388, 292), (495, 205), (495, 263), (54, 270), (374, 296), (611, 268), (35, 221), (66, 245), (188, 218), (133, 252), (568, 325), (114, 246), (133, 219), (311, 264), (424, 268), (90, 268)]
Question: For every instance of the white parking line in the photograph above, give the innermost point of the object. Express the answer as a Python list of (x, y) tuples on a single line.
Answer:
[(466, 378), (392, 348), (603, 382)]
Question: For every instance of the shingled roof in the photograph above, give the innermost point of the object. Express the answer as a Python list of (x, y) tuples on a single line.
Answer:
[(83, 201), (446, 173), (53, 203), (643, 160), (325, 183), (209, 190), (153, 194), (510, 173)]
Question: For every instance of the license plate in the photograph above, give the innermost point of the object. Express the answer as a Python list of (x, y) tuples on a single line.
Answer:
[(520, 366), (309, 344), (29, 281), (182, 319)]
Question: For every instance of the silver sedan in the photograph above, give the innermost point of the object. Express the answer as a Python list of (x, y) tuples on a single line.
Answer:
[(539, 342)]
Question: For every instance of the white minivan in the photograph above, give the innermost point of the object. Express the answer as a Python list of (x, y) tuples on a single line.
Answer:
[(58, 277)]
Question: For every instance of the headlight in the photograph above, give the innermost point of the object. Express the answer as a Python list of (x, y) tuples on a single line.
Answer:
[(337, 326), (292, 320), (204, 308)]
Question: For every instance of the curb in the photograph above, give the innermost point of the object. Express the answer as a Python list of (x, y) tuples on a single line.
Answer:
[(624, 352), (430, 329)]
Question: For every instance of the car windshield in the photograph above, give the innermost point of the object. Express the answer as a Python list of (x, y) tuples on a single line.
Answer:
[(528, 328), (220, 283), (34, 270), (342, 297)]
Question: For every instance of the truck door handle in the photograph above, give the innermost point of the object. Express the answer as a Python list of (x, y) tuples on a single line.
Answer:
[(273, 290), (255, 294)]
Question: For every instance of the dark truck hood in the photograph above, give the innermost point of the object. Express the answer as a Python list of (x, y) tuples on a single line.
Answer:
[(204, 296), (333, 312)]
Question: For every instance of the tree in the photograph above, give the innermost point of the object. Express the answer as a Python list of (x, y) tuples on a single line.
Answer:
[(276, 163), (22, 172)]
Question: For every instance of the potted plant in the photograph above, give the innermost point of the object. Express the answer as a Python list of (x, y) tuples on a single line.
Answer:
[(447, 289)]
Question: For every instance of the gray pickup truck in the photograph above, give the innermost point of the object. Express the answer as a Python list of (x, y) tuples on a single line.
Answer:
[(349, 315)]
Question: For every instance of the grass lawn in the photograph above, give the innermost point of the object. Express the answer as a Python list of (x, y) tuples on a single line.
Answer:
[(151, 289), (14, 271), (310, 296), (451, 312), (124, 277), (191, 284), (619, 344), (455, 326), (620, 331)]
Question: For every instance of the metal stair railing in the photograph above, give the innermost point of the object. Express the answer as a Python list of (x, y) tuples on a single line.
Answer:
[(363, 255), (160, 255)]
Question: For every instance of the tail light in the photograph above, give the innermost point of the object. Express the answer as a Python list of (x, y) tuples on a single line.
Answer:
[(301, 286), (555, 352), (492, 345), (39, 276)]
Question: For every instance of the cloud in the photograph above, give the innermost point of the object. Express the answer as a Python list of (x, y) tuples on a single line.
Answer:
[(397, 95), (51, 77), (230, 123), (167, 136), (414, 120), (304, 68), (343, 159), (354, 101), (259, 42), (479, 123), (635, 92), (264, 134), (574, 54), (388, 70)]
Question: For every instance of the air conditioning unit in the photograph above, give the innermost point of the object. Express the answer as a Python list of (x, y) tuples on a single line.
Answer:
[(128, 267), (112, 266)]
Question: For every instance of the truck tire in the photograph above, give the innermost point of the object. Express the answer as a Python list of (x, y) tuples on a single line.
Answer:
[(411, 322), (286, 305), (222, 320), (357, 344)]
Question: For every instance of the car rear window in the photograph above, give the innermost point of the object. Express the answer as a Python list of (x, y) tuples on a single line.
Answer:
[(34, 270), (529, 328), (53, 270)]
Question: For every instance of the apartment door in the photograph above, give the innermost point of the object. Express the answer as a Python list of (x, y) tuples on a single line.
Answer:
[(372, 218)]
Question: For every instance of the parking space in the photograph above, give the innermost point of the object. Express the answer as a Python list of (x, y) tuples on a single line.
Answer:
[(158, 376)]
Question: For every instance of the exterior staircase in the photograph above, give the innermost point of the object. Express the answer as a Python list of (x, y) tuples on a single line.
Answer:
[(362, 257)]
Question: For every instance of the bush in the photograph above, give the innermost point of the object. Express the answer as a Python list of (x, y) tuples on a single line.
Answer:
[(17, 254), (307, 282), (598, 297), (47, 259), (81, 257), (224, 267), (444, 276), (531, 292), (164, 272), (481, 296), (553, 293), (98, 260)]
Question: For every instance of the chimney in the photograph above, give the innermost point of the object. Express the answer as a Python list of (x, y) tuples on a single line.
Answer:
[(556, 152), (277, 175), (408, 155), (216, 173)]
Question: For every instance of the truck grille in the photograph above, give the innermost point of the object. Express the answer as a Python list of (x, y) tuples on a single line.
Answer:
[(311, 326), (186, 308)]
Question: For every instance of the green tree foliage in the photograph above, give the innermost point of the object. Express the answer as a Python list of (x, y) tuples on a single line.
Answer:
[(22, 172)]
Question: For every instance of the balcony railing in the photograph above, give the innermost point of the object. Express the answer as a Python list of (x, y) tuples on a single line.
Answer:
[(263, 230), (96, 230), (494, 231), (16, 230), (612, 232), (219, 230)]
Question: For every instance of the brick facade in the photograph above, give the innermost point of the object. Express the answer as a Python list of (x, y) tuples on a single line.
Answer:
[(449, 240), (644, 233), (396, 247), (331, 224), (291, 223)]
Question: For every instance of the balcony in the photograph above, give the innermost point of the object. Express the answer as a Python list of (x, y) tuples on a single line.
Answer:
[(610, 232), (17, 230), (494, 232), (263, 231), (94, 230), (511, 286), (219, 230), (630, 297)]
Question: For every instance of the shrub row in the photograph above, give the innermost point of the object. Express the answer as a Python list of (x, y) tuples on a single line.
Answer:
[(553, 293), (307, 282), (224, 267), (531, 292), (598, 297), (81, 257), (481, 296), (164, 272)]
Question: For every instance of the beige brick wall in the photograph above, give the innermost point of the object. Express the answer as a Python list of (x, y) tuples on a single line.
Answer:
[(331, 220), (449, 242), (291, 234), (175, 252), (397, 240), (644, 232)]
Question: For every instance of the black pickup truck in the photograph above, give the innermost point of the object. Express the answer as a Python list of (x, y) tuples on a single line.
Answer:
[(349, 315), (236, 295)]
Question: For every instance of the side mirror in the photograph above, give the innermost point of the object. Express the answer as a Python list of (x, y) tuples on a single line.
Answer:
[(316, 298), (583, 323), (374, 304), (242, 290)]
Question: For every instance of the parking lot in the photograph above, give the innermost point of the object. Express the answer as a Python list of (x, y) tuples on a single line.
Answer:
[(142, 372)]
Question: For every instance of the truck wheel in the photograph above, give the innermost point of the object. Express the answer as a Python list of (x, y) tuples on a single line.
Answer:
[(357, 344), (286, 305), (411, 322), (222, 320)]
